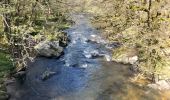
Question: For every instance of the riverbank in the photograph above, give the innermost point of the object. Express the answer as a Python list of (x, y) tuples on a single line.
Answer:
[(142, 31)]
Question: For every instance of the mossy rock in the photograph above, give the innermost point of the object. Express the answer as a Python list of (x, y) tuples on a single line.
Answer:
[(125, 55)]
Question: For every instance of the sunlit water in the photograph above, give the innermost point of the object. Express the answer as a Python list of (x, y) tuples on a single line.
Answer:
[(79, 76)]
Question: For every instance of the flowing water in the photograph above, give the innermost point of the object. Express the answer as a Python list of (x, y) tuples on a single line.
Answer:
[(84, 72)]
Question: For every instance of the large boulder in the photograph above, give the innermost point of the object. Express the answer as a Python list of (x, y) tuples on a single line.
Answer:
[(125, 59), (126, 56), (49, 49)]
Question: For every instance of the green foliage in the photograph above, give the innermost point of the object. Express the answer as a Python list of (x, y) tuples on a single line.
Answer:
[(25, 23), (5, 64), (5, 68)]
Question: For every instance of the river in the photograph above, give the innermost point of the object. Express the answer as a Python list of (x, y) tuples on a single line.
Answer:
[(84, 72)]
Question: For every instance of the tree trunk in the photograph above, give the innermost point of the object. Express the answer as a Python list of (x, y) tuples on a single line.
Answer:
[(149, 15)]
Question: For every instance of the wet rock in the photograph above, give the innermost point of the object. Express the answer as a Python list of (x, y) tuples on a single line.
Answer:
[(47, 74), (112, 45), (49, 49), (90, 41), (94, 36), (20, 69), (92, 54), (63, 39), (84, 66), (135, 68), (108, 58), (96, 39), (20, 76), (160, 85), (9, 81)]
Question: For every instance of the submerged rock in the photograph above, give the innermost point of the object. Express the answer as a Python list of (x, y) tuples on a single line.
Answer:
[(49, 49), (47, 74), (92, 54)]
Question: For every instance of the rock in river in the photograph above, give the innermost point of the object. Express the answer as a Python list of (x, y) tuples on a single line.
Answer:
[(47, 74), (49, 49)]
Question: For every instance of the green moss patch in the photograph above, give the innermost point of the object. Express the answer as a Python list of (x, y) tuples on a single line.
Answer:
[(5, 68)]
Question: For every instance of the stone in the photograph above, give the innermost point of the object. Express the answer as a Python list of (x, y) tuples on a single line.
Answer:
[(9, 81), (126, 56), (133, 59), (126, 60), (108, 58), (93, 36), (47, 74), (84, 66), (63, 39), (92, 54), (19, 74), (160, 85), (113, 45), (49, 49), (90, 41)]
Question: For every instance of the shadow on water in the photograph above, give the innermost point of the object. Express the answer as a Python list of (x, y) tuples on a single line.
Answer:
[(80, 76)]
